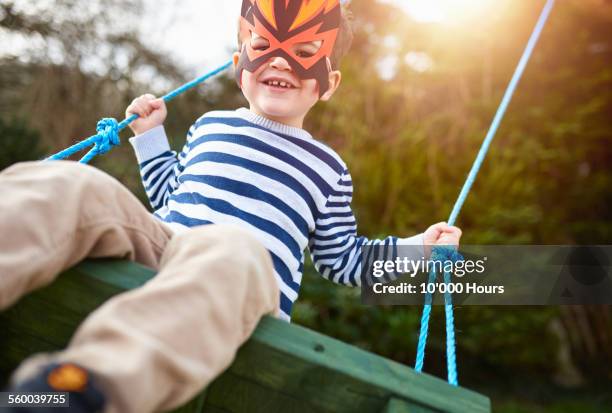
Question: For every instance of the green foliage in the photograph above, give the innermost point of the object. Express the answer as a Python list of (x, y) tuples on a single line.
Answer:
[(18, 143)]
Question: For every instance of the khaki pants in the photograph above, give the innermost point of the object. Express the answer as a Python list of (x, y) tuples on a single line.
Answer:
[(155, 347)]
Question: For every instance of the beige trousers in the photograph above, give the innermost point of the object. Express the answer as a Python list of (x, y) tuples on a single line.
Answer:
[(155, 347)]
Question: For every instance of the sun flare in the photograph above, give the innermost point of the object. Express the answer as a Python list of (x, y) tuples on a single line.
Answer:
[(444, 11)]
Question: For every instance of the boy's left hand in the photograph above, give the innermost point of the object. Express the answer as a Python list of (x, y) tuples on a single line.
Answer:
[(440, 234)]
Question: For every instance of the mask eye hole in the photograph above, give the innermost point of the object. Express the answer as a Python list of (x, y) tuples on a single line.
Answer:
[(304, 53), (307, 49), (259, 43)]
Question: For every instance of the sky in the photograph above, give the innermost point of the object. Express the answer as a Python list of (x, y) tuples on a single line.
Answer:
[(201, 34)]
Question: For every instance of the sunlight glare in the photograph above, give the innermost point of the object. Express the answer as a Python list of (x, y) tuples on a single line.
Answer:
[(444, 11)]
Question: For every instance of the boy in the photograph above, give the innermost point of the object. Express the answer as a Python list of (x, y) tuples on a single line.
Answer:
[(268, 187)]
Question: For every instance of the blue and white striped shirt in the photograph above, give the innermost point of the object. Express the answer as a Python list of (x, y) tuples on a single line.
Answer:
[(290, 190)]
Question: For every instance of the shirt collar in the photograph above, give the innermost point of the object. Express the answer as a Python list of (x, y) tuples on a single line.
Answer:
[(272, 125)]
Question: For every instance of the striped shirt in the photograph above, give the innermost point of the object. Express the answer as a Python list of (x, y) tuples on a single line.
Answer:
[(290, 190)]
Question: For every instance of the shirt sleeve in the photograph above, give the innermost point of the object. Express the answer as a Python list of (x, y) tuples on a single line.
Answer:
[(159, 165), (335, 247)]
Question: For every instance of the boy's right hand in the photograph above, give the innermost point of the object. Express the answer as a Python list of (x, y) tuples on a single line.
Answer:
[(440, 234), (152, 112)]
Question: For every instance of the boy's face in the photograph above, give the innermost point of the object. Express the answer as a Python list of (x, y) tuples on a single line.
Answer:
[(283, 66), (275, 91)]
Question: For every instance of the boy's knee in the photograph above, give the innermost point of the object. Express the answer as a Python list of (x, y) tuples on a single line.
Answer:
[(24, 168), (229, 255), (237, 238), (230, 238), (54, 170), (66, 186), (230, 244), (86, 175)]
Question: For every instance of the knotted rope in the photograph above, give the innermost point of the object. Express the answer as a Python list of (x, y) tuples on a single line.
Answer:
[(108, 129), (439, 253)]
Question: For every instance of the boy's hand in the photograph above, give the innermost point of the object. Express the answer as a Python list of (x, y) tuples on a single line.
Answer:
[(440, 234), (152, 112)]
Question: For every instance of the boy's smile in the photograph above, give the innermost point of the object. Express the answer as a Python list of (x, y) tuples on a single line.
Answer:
[(277, 93), (278, 82)]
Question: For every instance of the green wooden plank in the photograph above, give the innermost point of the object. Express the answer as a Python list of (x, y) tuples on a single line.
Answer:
[(125, 275), (395, 405), (231, 393), (194, 406), (282, 367), (334, 376)]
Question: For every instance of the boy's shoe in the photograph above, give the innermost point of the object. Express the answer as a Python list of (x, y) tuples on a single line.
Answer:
[(83, 394)]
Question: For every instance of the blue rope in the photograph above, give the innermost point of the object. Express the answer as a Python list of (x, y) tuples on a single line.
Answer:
[(108, 128), (440, 254), (450, 330), (451, 360)]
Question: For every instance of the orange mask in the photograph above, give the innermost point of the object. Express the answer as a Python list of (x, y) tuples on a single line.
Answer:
[(284, 24)]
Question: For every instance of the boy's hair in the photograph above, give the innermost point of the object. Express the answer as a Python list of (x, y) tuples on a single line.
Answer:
[(343, 40), (345, 37)]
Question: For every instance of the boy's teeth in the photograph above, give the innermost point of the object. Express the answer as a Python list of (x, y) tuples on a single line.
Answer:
[(279, 83)]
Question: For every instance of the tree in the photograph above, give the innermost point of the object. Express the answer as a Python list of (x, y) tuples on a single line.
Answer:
[(79, 65), (18, 143)]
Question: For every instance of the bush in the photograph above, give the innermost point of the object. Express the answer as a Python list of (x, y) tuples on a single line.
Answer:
[(18, 143)]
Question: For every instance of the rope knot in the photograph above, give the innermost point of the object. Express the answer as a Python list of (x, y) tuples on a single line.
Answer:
[(445, 253), (108, 135)]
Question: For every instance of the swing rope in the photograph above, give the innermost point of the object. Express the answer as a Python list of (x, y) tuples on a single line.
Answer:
[(108, 128), (448, 253)]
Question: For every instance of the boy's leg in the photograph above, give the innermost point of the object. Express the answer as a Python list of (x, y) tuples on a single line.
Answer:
[(54, 214), (156, 347)]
